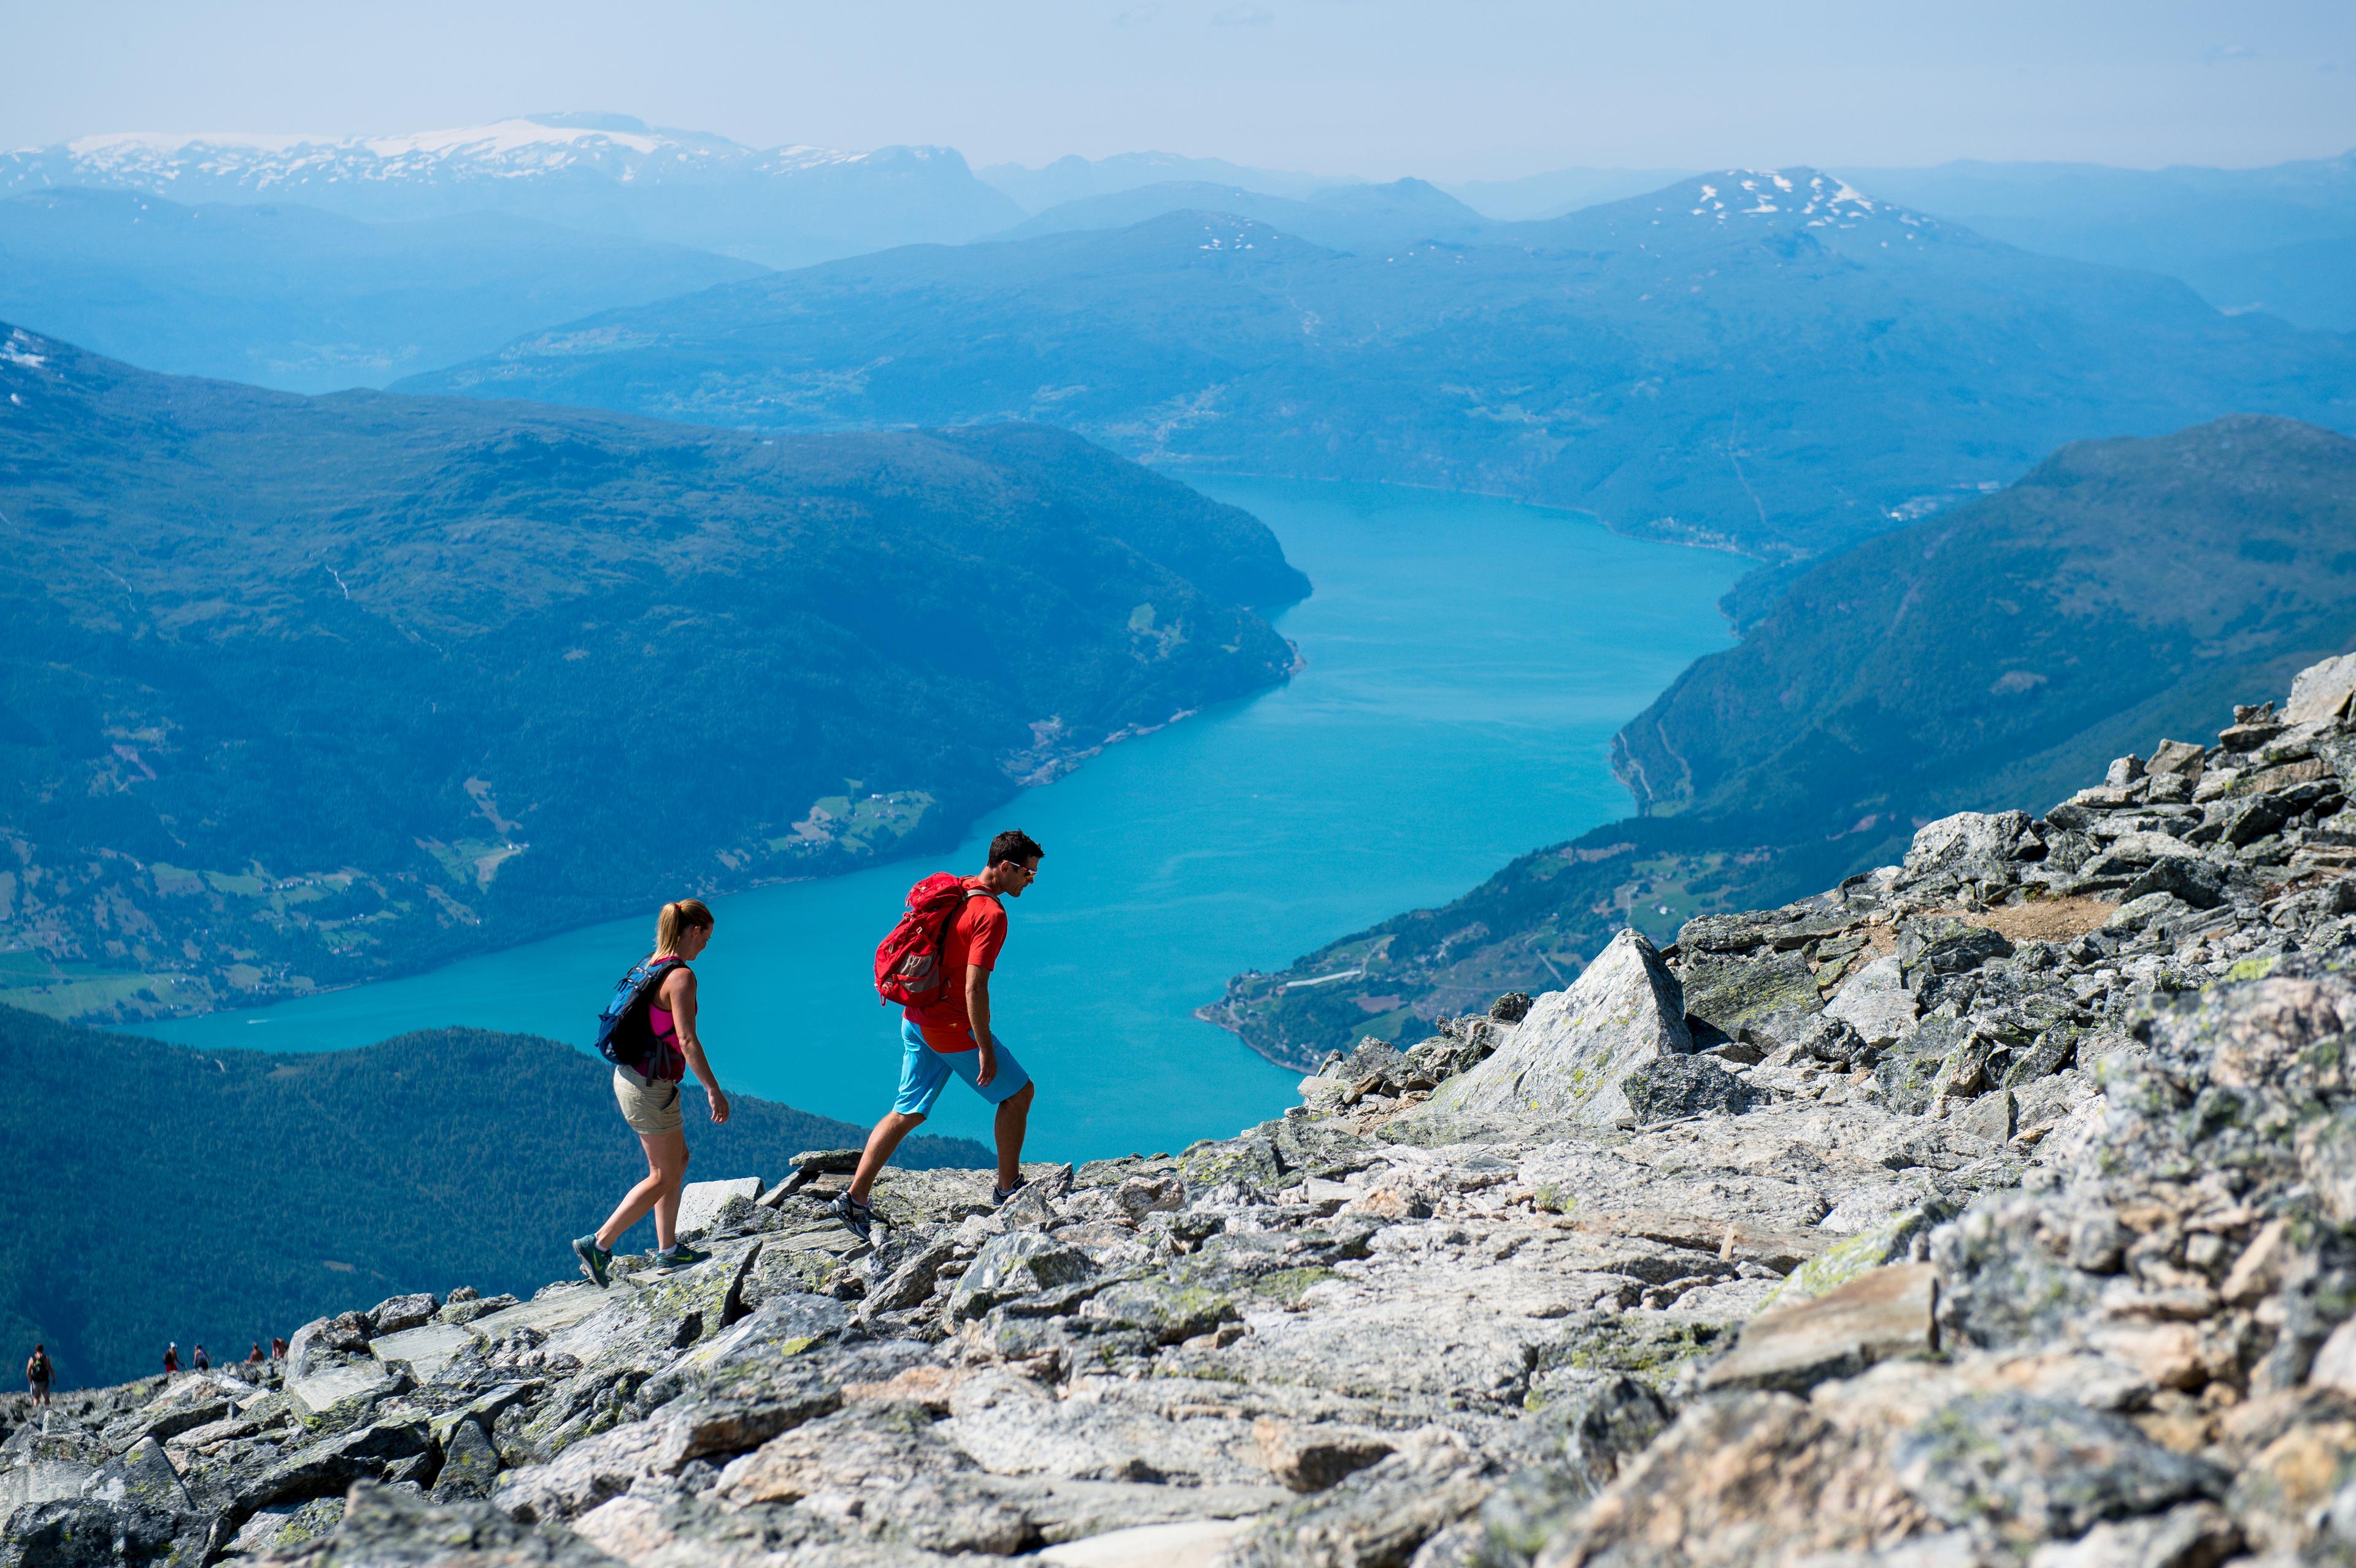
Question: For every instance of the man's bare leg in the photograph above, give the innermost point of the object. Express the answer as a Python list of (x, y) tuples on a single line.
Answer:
[(887, 1137), (1012, 1120)]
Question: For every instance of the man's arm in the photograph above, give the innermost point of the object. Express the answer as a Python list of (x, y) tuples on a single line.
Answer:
[(977, 1007)]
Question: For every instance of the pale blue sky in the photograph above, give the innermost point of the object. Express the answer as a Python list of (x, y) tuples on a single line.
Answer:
[(1452, 90)]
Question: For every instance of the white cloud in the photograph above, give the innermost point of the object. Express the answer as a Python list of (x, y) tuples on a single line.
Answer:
[(2219, 54), (1136, 15), (1244, 16)]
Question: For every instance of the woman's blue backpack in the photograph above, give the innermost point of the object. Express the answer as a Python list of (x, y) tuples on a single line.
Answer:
[(625, 1038)]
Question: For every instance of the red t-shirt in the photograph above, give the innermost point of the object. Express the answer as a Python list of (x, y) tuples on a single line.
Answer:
[(975, 934)]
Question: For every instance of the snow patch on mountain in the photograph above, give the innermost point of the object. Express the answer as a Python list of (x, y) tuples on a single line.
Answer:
[(1819, 200), (615, 146)]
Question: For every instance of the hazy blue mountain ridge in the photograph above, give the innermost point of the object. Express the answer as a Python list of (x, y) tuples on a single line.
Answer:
[(217, 1198), (307, 301), (1074, 178), (307, 690), (1772, 362), (605, 173), (1345, 218), (1996, 657), (1558, 191), (2278, 239)]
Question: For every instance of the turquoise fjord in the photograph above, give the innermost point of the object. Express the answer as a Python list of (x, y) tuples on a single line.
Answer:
[(1467, 661)]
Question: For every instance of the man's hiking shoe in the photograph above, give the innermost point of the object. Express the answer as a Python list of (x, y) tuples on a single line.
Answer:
[(999, 1196), (594, 1259), (679, 1257), (858, 1216)]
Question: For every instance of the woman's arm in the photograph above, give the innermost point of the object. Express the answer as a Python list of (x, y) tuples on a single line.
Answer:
[(679, 1000)]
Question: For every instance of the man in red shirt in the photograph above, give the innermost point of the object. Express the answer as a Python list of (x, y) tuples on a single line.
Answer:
[(951, 1036)]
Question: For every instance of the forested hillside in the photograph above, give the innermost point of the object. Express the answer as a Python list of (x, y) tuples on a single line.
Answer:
[(149, 1192), (2123, 591), (301, 691)]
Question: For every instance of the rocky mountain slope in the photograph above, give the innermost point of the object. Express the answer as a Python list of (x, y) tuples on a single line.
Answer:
[(306, 690), (1987, 656), (150, 1192), (305, 301), (1769, 358), (1994, 1207), (610, 174)]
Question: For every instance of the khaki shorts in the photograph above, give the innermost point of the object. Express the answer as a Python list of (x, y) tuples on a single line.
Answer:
[(650, 1106)]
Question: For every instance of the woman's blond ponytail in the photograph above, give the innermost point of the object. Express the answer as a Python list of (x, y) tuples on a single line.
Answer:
[(677, 920)]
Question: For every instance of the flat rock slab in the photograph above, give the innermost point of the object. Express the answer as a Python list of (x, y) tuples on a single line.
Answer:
[(322, 1391), (427, 1349), (700, 1201), (1189, 1543), (1779, 1249), (1880, 1316), (548, 1313), (40, 1481)]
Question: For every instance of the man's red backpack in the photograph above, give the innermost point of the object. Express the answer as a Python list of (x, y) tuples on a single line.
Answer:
[(908, 968)]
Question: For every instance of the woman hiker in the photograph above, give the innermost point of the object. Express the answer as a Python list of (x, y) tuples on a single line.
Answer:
[(650, 1092)]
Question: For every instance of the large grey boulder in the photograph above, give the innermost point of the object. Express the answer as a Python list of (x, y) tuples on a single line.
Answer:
[(1012, 1265), (1670, 1087), (1969, 843), (1876, 1003), (142, 1477), (2320, 692), (1567, 1059), (700, 1202), (402, 1312)]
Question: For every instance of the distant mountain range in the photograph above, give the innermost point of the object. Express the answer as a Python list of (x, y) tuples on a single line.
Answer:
[(2280, 239), (608, 174), (150, 1192), (1558, 191), (1076, 179), (1771, 360), (1342, 218), (303, 299), (1996, 656), (308, 690), (2274, 239)]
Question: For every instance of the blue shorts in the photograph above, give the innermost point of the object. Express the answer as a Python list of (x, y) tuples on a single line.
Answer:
[(923, 1073)]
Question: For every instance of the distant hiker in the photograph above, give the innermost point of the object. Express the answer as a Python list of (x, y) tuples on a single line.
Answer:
[(277, 1348), (938, 962), (204, 1362), (40, 1373), (171, 1358), (648, 1032), (254, 1358)]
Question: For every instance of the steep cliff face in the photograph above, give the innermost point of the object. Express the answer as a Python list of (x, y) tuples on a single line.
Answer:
[(1994, 1206)]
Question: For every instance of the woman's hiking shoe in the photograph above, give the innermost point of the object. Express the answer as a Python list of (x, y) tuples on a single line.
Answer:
[(594, 1259), (858, 1216), (679, 1257), (999, 1196)]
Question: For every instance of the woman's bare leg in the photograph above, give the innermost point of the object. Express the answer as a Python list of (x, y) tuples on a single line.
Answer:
[(665, 1174)]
